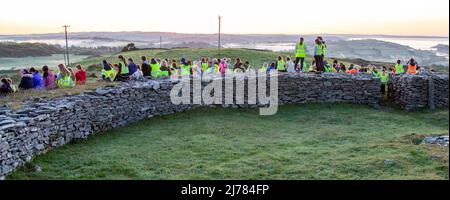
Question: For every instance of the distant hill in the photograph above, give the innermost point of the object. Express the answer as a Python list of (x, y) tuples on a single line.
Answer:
[(376, 50), (27, 49), (18, 50), (441, 48)]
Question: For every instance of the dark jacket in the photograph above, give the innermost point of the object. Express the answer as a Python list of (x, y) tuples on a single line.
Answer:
[(26, 82), (146, 70)]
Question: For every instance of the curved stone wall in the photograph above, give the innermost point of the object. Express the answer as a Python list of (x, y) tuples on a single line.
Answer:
[(45, 124)]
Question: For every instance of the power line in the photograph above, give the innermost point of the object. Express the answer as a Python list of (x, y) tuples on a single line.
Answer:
[(67, 44), (218, 42)]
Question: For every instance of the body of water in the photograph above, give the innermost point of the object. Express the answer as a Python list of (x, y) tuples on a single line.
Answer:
[(51, 61), (416, 43)]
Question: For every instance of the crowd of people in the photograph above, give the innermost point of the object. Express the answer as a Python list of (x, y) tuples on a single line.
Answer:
[(127, 69), (34, 79)]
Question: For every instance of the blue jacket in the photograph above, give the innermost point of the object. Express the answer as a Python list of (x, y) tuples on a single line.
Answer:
[(38, 82), (132, 68)]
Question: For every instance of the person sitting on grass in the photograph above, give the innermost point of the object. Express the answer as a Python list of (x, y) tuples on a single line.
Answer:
[(108, 72), (5, 87), (49, 78), (26, 81), (80, 75), (38, 82), (64, 78)]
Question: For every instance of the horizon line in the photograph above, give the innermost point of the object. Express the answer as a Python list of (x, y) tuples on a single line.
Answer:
[(287, 34)]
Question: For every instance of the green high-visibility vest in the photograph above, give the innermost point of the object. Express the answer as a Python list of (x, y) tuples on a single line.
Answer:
[(305, 67), (376, 74), (301, 50), (124, 69), (186, 69), (155, 70), (263, 69), (319, 50), (14, 89), (327, 68), (216, 68), (384, 78), (204, 66), (399, 69), (324, 49), (64, 81), (164, 73), (111, 74), (281, 65)]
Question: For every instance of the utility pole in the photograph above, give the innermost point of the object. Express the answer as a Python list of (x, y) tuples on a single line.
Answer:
[(67, 44), (160, 42), (218, 45)]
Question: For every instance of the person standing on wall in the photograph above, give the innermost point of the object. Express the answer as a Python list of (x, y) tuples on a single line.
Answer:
[(324, 46), (300, 54), (319, 55)]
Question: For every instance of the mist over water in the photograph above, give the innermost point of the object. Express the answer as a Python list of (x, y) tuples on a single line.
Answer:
[(27, 62)]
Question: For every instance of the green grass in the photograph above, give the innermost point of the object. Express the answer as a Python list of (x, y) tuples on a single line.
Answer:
[(315, 141)]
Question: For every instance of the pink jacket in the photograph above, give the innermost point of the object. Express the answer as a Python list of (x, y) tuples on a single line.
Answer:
[(49, 80), (222, 67)]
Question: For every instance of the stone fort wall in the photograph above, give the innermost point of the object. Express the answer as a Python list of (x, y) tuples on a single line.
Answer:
[(41, 124)]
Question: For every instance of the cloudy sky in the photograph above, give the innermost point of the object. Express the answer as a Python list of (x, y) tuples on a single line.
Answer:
[(396, 17)]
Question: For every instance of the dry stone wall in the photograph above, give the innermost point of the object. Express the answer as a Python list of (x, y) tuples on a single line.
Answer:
[(43, 124)]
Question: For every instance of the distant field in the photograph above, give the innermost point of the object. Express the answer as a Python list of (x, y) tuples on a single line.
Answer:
[(37, 62), (314, 141)]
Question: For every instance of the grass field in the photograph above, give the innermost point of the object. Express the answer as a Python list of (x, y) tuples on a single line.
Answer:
[(315, 141)]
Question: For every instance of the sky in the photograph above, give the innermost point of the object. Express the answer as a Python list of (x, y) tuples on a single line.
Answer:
[(389, 17)]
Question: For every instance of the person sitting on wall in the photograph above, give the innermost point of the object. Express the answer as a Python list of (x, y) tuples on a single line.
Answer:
[(49, 78), (290, 66), (145, 67), (399, 68), (412, 67), (138, 74), (5, 87), (281, 64), (26, 81), (108, 72), (64, 78), (352, 69), (272, 67), (131, 66), (80, 75), (38, 82), (165, 69)]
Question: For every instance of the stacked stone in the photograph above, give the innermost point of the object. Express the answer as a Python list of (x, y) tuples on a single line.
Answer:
[(413, 92), (43, 124), (441, 88)]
